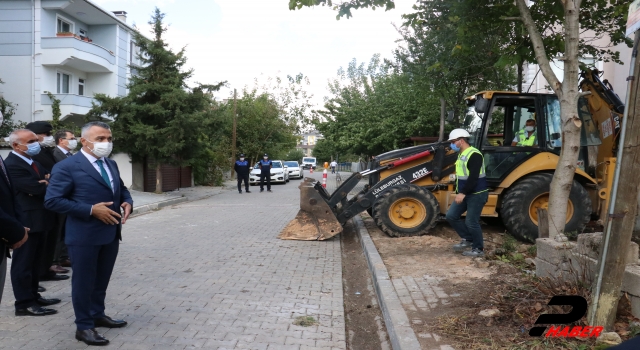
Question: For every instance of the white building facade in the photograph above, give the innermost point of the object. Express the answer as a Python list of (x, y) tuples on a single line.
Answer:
[(615, 73), (72, 49)]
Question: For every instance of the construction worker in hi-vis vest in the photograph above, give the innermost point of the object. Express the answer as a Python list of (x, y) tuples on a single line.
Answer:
[(526, 136), (471, 195)]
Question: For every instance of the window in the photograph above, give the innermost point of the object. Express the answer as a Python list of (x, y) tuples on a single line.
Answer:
[(64, 26), (81, 87), (63, 83), (589, 134)]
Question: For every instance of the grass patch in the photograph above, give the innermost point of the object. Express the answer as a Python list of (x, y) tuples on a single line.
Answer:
[(305, 321), (509, 244)]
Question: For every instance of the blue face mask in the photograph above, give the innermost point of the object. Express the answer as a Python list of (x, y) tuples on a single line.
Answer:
[(33, 149), (454, 147)]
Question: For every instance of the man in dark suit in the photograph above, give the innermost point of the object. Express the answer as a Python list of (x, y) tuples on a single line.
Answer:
[(29, 182), (45, 158), (43, 130), (12, 233), (65, 143), (88, 189)]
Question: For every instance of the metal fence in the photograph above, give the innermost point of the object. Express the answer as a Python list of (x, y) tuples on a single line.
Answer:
[(344, 170)]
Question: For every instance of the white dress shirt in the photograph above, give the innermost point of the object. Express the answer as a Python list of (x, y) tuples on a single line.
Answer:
[(28, 160), (94, 161), (63, 150)]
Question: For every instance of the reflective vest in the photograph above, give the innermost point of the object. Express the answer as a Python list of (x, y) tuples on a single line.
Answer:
[(462, 171), (525, 140)]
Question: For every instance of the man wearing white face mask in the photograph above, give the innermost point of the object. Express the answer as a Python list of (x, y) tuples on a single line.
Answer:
[(88, 189), (66, 143), (43, 129), (527, 136)]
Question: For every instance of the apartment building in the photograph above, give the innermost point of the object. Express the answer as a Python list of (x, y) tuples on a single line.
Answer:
[(72, 49), (307, 142)]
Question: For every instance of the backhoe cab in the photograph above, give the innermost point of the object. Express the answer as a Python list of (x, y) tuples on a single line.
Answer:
[(410, 188)]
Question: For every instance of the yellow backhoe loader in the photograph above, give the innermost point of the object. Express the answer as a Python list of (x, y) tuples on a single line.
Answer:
[(409, 189)]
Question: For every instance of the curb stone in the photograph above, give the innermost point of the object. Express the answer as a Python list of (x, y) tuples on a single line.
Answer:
[(157, 205), (139, 210), (395, 318)]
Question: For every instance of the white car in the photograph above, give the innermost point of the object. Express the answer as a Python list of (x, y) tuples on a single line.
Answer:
[(295, 170), (279, 173)]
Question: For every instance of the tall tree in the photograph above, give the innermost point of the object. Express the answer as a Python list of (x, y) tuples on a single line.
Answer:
[(374, 107), (294, 101), (161, 117), (262, 128), (567, 17)]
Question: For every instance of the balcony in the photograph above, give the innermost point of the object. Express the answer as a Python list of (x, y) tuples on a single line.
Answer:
[(75, 53), (70, 104)]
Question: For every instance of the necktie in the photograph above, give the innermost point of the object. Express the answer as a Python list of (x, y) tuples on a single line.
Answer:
[(68, 154), (103, 172), (35, 167), (4, 171)]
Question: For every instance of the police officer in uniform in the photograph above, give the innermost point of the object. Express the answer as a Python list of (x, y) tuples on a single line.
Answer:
[(472, 194), (242, 171), (265, 172), (526, 136)]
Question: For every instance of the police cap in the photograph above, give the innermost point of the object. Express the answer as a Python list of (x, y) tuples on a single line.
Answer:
[(39, 127), (242, 155)]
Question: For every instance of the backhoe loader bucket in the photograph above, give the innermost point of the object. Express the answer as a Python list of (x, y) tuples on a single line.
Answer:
[(315, 220)]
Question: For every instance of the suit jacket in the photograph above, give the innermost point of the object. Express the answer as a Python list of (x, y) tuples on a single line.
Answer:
[(30, 193), (45, 158), (58, 155), (11, 228), (74, 187)]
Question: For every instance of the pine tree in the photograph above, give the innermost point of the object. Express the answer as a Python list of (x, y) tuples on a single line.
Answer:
[(161, 117)]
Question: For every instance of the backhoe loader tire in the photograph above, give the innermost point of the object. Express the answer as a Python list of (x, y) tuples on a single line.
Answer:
[(416, 208), (518, 206)]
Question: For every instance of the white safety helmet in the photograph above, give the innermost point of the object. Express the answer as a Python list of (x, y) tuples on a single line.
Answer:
[(458, 133)]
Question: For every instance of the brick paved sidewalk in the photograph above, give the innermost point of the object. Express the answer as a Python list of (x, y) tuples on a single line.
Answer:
[(207, 274)]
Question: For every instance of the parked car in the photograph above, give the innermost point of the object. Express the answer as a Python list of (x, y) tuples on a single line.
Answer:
[(279, 173), (309, 162), (295, 170)]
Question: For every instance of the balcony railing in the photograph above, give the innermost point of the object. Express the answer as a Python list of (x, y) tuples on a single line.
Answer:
[(65, 42), (69, 99)]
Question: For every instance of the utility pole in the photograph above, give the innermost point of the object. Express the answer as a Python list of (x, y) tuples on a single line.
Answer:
[(623, 207), (233, 137), (443, 106)]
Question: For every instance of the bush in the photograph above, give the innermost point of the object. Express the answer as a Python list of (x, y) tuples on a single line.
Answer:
[(209, 168)]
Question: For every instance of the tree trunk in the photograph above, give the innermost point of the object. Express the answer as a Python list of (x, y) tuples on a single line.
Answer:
[(571, 123), (158, 177), (443, 107), (520, 72), (625, 208), (568, 94)]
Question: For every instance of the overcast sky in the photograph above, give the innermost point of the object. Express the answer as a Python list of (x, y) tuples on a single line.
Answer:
[(240, 40)]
